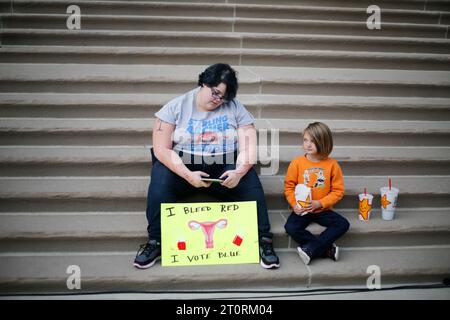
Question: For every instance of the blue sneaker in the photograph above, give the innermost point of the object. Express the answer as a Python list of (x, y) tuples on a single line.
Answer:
[(269, 259), (148, 253)]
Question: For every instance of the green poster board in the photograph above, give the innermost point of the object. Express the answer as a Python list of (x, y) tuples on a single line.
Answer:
[(209, 233)]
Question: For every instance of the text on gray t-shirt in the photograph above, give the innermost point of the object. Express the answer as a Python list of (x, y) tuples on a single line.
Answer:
[(204, 133)]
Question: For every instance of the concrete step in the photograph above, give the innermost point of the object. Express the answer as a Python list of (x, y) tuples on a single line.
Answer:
[(132, 132), (46, 272), (298, 11), (230, 40), (35, 161), (271, 80), (420, 5), (263, 106), (23, 194), (247, 57), (138, 203), (425, 5), (123, 231), (199, 24)]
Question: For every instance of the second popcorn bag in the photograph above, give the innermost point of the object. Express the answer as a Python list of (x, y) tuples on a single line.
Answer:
[(303, 195)]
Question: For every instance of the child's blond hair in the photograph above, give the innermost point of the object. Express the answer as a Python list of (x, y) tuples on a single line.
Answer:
[(321, 136)]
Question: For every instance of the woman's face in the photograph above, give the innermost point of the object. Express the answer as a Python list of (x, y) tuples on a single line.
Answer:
[(213, 96)]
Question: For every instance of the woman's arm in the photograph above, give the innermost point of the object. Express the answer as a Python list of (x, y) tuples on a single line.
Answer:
[(247, 149), (246, 157), (162, 147)]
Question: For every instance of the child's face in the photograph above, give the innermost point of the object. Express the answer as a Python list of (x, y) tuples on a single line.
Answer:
[(308, 144)]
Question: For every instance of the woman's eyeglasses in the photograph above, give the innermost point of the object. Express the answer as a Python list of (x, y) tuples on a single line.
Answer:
[(216, 95)]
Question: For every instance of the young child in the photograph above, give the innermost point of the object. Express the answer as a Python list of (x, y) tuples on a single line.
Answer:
[(324, 176)]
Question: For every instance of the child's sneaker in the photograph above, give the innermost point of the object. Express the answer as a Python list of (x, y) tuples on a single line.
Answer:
[(333, 252), (304, 255)]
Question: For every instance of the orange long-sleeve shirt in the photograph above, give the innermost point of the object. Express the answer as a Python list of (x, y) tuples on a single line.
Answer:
[(324, 178)]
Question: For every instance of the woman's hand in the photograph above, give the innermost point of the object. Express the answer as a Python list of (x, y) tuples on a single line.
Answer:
[(195, 179), (232, 178)]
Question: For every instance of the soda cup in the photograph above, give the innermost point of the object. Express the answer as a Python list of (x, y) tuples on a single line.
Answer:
[(389, 198), (365, 206)]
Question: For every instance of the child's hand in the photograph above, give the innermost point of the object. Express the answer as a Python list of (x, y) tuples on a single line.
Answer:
[(315, 205), (299, 210)]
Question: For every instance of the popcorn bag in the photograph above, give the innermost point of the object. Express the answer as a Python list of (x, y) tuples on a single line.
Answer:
[(303, 195)]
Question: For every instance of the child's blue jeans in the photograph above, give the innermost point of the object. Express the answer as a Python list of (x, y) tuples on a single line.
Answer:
[(167, 187), (316, 246)]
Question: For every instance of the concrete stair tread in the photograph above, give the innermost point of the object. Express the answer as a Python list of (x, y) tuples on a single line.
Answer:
[(210, 34), (261, 100), (357, 126), (221, 24), (407, 222), (234, 17), (388, 4), (55, 125), (136, 187), (141, 154), (132, 225), (276, 53), (262, 106), (251, 57), (115, 271), (209, 39), (215, 9), (187, 74), (235, 56)]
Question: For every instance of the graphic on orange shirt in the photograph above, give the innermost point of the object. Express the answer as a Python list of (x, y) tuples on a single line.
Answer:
[(364, 208), (314, 177), (305, 203), (385, 202)]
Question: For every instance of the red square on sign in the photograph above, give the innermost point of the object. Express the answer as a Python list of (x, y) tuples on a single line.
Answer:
[(181, 245), (237, 240)]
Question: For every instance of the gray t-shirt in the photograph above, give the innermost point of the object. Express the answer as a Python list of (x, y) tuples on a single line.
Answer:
[(204, 133)]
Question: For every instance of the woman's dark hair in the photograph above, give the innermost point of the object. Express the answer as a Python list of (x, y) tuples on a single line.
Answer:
[(218, 73)]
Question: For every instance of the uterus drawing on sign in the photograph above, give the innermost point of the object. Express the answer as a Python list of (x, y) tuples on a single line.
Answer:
[(208, 228)]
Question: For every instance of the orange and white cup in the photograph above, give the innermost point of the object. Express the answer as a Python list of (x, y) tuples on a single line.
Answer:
[(365, 206), (389, 198)]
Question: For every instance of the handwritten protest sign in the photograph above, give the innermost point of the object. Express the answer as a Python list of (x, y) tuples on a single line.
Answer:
[(209, 233)]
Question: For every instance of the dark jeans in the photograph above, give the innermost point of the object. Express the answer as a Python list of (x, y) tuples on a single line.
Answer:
[(335, 224), (167, 187)]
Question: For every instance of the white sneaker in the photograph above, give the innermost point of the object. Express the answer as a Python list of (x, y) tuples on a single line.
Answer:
[(304, 256), (336, 252)]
